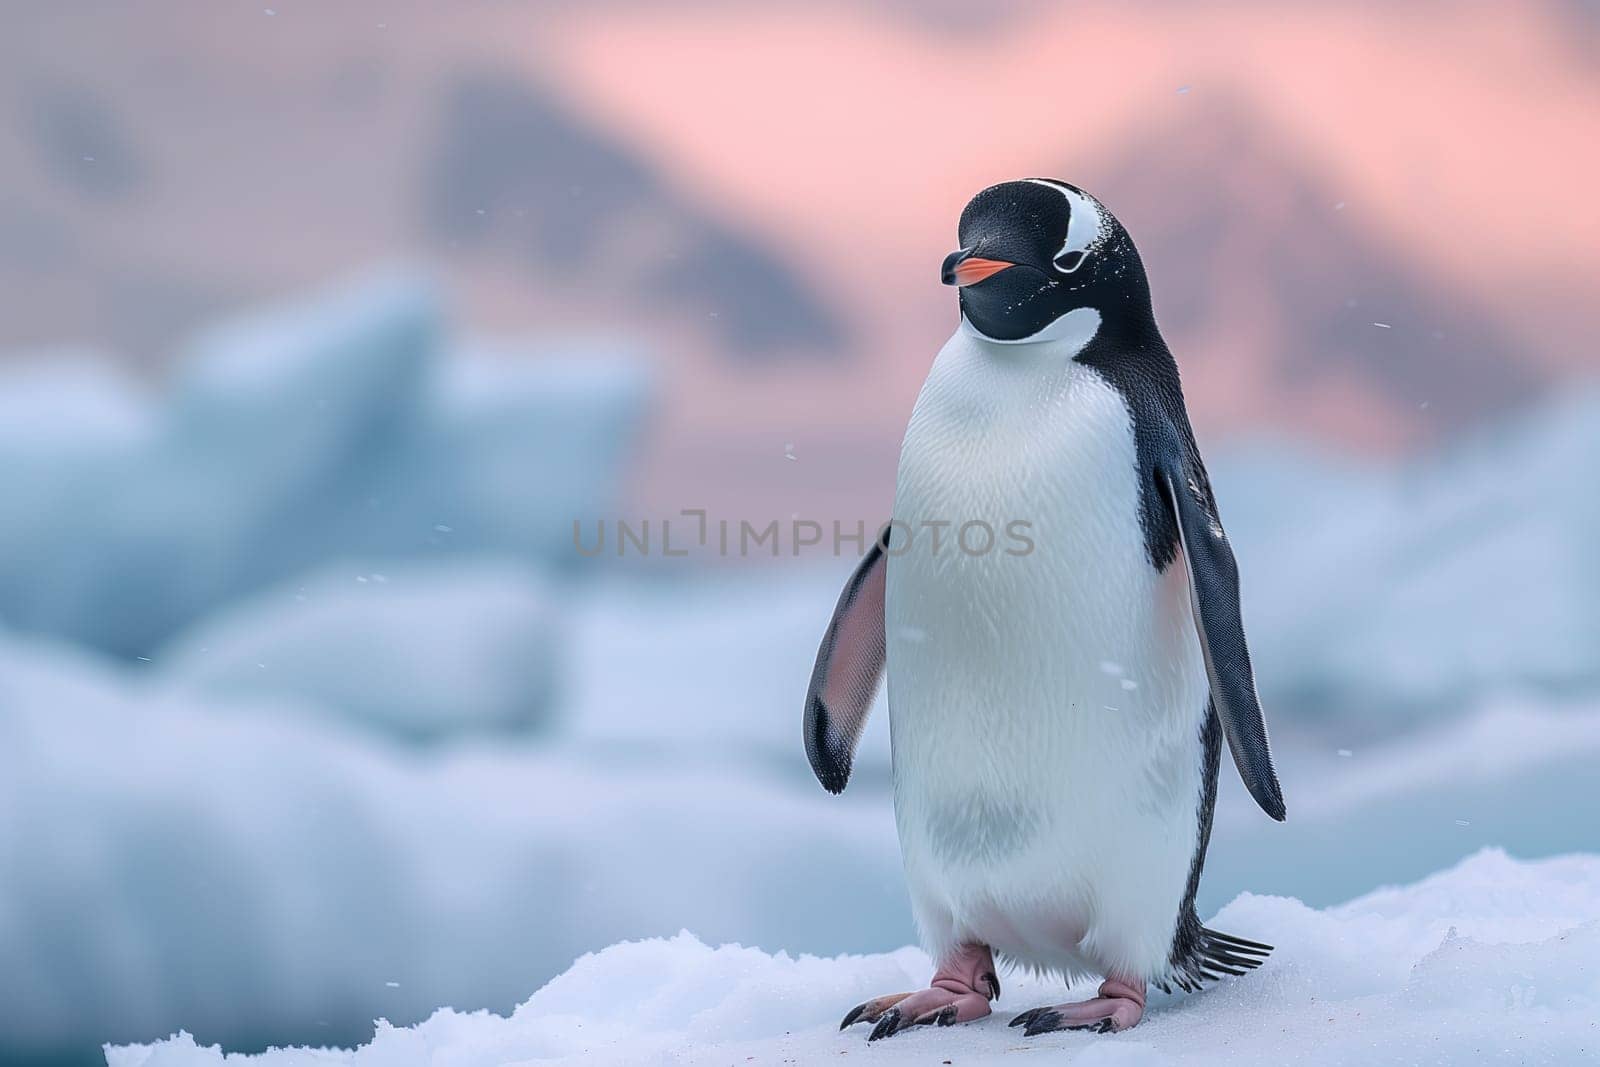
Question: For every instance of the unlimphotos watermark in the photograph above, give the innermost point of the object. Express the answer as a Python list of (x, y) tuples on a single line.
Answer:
[(744, 538)]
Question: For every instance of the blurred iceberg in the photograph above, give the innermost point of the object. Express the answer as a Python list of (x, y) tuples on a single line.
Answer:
[(420, 651), (1508, 773), (1378, 594), (238, 867), (68, 425), (336, 430), (709, 674), (518, 440)]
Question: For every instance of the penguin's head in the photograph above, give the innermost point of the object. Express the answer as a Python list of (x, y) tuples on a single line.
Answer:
[(1040, 259)]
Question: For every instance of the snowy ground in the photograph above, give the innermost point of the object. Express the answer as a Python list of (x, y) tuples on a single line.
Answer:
[(1493, 961)]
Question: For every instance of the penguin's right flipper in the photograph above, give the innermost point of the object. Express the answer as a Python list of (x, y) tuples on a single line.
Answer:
[(845, 679), (1214, 598)]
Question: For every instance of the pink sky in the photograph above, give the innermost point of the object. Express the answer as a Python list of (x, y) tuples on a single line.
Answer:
[(1471, 136)]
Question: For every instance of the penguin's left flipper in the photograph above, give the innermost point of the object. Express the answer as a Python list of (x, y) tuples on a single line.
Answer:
[(845, 679), (1214, 598)]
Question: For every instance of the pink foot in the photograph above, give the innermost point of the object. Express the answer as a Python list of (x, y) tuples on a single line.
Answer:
[(1119, 1006), (960, 992)]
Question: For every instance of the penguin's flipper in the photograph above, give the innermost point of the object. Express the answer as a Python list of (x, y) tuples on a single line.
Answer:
[(845, 679), (1214, 598)]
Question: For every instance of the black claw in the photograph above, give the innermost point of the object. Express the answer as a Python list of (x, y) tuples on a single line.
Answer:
[(1046, 1022), (1101, 1027), (994, 984), (855, 1013), (888, 1023), (1026, 1017), (945, 1016)]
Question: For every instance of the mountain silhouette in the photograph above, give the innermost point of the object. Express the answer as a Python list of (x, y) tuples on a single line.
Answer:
[(511, 170), (1248, 248)]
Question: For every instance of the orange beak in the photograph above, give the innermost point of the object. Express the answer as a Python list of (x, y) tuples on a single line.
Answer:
[(972, 270)]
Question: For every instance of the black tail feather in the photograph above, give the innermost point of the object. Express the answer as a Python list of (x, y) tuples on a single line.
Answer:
[(1212, 955), (1216, 935), (1219, 949)]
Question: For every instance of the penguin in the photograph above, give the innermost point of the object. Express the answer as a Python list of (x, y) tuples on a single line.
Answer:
[(1058, 700)]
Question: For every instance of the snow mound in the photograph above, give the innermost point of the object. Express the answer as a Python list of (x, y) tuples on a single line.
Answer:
[(1494, 960), (419, 651)]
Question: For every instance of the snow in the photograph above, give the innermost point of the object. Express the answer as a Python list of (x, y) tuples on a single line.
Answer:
[(1494, 960)]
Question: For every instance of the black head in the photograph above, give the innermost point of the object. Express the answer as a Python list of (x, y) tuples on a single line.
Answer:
[(1036, 250)]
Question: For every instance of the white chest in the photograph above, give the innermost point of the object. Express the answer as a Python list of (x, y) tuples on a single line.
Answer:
[(1038, 694), (1064, 606)]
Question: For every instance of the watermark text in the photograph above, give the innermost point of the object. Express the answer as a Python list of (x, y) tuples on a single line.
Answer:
[(694, 532)]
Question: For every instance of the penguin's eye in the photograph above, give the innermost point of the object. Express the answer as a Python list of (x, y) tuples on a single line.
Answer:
[(1068, 262)]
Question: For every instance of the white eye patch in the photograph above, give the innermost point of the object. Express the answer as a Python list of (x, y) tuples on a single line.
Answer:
[(1083, 227)]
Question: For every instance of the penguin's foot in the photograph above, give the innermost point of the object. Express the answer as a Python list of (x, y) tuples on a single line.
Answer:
[(960, 992), (1119, 1006)]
